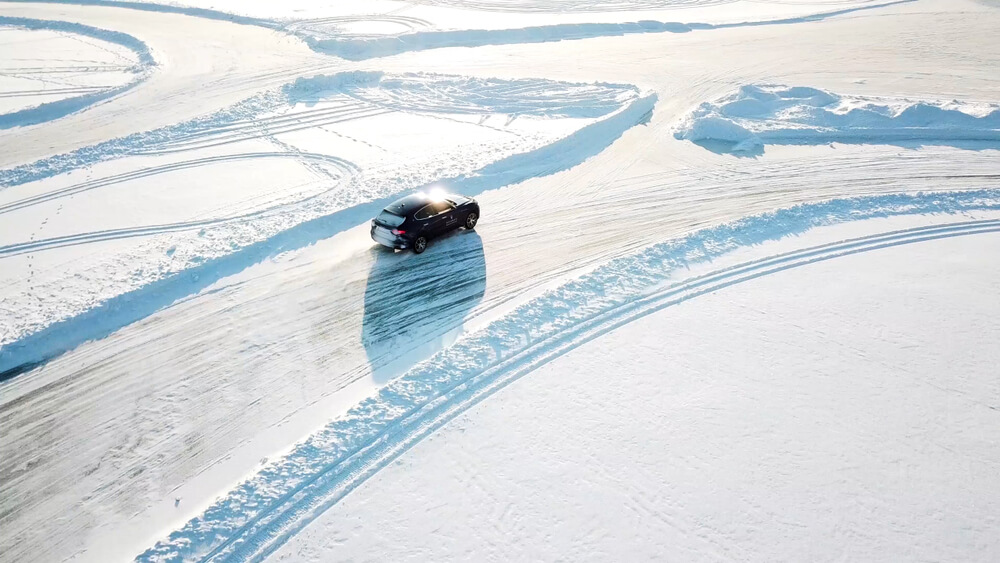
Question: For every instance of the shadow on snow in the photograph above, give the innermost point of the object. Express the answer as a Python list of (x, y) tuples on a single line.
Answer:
[(414, 305)]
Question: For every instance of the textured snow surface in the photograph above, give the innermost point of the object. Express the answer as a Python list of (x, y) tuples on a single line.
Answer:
[(229, 366), (603, 19), (755, 116), (840, 410), (72, 66), (310, 151), (262, 513)]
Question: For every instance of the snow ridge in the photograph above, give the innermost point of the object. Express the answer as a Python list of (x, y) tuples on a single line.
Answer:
[(264, 511), (756, 115), (54, 110), (136, 143), (589, 100), (361, 48)]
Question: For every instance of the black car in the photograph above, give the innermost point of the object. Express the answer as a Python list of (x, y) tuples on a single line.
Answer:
[(415, 219)]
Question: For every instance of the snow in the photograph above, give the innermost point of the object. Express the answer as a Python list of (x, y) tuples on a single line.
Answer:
[(759, 115), (71, 67), (499, 30), (840, 410), (194, 319), (260, 514), (270, 166)]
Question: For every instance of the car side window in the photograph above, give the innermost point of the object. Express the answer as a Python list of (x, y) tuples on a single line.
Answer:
[(425, 212), (442, 207)]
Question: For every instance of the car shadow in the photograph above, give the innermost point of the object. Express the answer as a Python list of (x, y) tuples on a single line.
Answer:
[(415, 304)]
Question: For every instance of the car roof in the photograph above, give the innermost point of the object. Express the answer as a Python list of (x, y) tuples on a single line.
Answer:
[(406, 205)]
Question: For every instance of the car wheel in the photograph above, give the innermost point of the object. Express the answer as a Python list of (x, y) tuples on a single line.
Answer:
[(470, 220), (419, 245)]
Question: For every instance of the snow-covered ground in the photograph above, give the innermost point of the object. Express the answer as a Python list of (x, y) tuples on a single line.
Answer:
[(759, 115), (57, 68), (262, 513), (810, 411), (183, 197), (204, 354)]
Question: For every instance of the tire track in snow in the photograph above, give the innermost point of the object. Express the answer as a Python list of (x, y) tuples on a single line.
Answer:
[(570, 6), (331, 27), (348, 168), (317, 495), (48, 111), (362, 48), (267, 127), (262, 513), (206, 13), (98, 319)]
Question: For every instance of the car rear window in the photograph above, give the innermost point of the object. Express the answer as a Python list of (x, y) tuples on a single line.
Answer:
[(390, 219)]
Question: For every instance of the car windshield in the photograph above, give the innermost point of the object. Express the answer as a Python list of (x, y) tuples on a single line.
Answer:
[(389, 219)]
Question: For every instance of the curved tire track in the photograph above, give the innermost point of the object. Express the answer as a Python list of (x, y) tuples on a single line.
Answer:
[(270, 528), (49, 111), (347, 167)]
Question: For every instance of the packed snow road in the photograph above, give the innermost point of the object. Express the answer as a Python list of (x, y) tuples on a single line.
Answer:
[(110, 446)]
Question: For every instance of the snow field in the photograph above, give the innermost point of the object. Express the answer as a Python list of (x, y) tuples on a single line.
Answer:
[(420, 34), (261, 514), (252, 350), (381, 28), (70, 67), (200, 191), (842, 409)]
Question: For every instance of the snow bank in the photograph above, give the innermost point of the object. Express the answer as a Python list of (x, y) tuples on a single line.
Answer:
[(463, 95), (357, 49), (771, 114), (367, 47), (263, 512), (54, 110), (361, 47)]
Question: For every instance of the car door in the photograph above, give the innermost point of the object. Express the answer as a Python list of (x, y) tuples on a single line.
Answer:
[(449, 218), (443, 215), (426, 220)]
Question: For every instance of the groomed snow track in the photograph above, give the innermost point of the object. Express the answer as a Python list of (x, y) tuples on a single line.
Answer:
[(344, 455)]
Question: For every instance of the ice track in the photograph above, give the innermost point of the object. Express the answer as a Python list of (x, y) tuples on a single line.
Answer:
[(261, 514)]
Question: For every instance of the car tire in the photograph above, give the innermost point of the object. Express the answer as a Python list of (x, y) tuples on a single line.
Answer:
[(419, 245), (470, 220)]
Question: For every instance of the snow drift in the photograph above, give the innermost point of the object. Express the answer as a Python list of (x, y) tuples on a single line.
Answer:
[(757, 115)]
